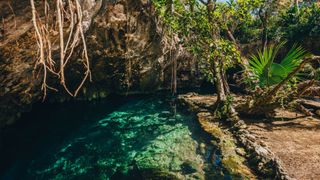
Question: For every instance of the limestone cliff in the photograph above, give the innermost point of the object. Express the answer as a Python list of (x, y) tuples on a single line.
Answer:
[(127, 47)]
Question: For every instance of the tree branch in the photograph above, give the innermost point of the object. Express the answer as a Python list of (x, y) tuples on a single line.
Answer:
[(269, 97)]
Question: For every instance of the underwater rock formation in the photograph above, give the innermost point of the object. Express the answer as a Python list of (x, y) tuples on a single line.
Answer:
[(127, 47), (140, 139)]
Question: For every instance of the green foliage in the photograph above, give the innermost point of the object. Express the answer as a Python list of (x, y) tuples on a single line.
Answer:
[(267, 72), (204, 39), (206, 35), (284, 21), (241, 17), (318, 74), (246, 25), (221, 49), (299, 25)]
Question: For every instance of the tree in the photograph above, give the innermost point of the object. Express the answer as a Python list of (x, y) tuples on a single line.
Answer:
[(207, 28), (222, 104), (199, 25)]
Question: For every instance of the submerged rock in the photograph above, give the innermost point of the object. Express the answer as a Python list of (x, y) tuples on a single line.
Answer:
[(130, 142), (175, 152)]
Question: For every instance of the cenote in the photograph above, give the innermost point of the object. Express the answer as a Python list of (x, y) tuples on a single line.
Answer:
[(132, 137)]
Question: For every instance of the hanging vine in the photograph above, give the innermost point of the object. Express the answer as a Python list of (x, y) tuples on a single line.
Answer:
[(68, 14)]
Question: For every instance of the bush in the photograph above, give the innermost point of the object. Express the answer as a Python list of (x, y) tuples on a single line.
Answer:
[(297, 26)]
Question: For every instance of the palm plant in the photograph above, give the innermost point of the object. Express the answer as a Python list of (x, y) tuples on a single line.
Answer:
[(267, 72)]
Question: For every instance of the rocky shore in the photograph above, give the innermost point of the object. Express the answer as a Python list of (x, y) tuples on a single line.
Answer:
[(243, 154)]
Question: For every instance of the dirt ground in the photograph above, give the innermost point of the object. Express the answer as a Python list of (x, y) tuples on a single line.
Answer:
[(295, 140)]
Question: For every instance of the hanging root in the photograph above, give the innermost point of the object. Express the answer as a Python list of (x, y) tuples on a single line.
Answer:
[(41, 41), (85, 52), (44, 31)]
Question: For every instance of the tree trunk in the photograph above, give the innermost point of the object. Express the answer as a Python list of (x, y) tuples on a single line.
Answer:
[(222, 105), (264, 20), (170, 10)]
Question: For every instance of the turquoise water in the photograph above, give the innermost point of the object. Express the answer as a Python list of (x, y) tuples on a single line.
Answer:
[(140, 137)]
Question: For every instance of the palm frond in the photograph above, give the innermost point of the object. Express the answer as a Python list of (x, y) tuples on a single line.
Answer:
[(293, 58), (264, 68)]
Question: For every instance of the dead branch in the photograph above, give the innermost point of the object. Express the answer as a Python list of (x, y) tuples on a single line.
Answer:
[(304, 110), (315, 91), (271, 94)]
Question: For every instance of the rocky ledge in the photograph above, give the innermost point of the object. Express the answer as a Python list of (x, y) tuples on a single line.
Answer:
[(127, 48), (243, 154)]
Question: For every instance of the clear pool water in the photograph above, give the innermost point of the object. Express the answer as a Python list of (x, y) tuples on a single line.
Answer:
[(136, 137)]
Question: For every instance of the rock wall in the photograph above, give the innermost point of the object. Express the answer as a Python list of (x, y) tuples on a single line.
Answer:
[(127, 46)]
